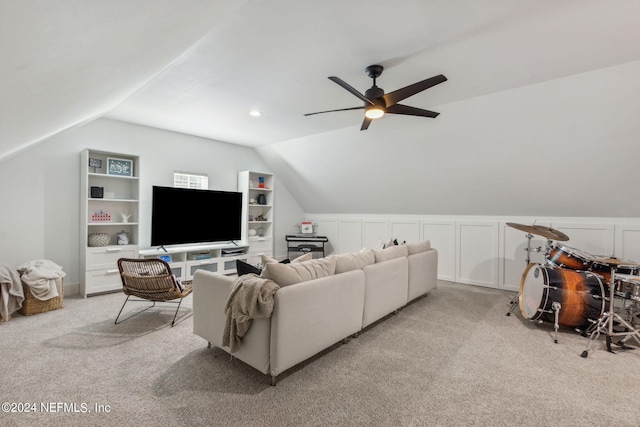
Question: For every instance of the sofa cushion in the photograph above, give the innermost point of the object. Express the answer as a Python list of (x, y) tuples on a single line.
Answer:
[(415, 248), (353, 261), (392, 252), (296, 272)]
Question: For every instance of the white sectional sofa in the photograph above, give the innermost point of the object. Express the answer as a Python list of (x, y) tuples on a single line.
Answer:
[(319, 303)]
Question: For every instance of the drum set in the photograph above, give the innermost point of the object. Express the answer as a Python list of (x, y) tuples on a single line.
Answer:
[(575, 289)]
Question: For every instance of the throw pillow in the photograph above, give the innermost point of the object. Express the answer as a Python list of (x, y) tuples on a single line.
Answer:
[(296, 272), (303, 258), (268, 260), (353, 261), (246, 268), (392, 252), (414, 248)]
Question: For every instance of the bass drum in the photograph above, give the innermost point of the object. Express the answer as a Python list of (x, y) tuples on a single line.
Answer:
[(579, 293), (565, 257)]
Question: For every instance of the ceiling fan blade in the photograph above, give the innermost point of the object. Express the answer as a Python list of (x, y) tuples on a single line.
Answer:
[(396, 96), (365, 124), (348, 87), (411, 111), (331, 111)]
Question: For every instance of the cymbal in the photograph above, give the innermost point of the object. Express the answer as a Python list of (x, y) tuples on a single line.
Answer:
[(560, 236), (616, 261), (548, 232)]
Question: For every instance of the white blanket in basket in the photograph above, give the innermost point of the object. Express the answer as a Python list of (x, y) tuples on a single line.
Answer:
[(42, 276)]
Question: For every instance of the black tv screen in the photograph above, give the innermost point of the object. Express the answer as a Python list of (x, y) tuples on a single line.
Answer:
[(181, 216)]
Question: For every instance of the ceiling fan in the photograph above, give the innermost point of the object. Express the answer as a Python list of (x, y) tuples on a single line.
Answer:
[(377, 103)]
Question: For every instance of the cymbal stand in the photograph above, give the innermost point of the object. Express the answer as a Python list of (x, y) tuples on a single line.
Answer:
[(605, 324), (529, 249)]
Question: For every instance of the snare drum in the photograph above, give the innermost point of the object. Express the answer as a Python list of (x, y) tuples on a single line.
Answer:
[(628, 285), (604, 269), (566, 257), (579, 293)]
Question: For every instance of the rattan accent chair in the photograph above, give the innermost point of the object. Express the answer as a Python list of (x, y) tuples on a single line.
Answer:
[(152, 280)]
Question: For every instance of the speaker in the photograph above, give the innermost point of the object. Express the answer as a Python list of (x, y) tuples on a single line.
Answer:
[(97, 192)]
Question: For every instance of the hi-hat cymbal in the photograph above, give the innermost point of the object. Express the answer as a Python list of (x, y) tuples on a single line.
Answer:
[(548, 232)]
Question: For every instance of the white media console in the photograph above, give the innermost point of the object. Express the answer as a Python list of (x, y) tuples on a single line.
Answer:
[(185, 260)]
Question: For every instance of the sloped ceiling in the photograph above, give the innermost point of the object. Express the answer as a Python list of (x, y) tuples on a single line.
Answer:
[(199, 66)]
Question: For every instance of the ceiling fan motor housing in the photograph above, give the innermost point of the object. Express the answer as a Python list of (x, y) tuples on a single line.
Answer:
[(374, 71)]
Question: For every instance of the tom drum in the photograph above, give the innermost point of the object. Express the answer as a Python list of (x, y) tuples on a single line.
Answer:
[(565, 257), (578, 292)]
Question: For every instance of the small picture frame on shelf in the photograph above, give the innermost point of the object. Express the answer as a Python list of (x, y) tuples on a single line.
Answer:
[(95, 164), (119, 167)]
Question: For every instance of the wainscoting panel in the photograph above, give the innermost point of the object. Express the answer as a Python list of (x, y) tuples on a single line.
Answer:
[(594, 239), (481, 250), (405, 231), (478, 253), (349, 235), (442, 235), (374, 231), (328, 227), (628, 242), (514, 255)]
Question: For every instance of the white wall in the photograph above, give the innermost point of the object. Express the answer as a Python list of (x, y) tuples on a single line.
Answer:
[(567, 147), (40, 190)]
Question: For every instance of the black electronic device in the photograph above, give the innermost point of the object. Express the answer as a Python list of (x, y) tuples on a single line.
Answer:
[(190, 216), (97, 192)]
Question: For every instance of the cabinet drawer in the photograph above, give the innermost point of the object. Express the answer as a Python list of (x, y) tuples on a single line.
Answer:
[(102, 281), (107, 257), (193, 266)]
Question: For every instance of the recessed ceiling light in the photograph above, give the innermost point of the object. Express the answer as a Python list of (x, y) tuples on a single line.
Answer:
[(255, 113)]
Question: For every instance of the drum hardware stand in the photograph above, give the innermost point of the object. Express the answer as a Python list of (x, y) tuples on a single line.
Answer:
[(606, 321), (555, 309)]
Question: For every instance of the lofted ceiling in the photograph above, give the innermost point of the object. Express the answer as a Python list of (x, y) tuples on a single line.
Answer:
[(199, 66)]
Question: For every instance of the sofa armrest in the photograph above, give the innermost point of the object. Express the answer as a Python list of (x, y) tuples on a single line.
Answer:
[(311, 316), (210, 293), (423, 273)]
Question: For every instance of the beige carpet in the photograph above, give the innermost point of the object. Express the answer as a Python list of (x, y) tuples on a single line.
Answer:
[(450, 359)]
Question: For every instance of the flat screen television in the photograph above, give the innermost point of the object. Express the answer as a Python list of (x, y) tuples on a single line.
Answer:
[(182, 216)]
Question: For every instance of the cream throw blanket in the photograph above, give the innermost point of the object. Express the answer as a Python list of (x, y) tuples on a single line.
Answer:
[(11, 294), (251, 297), (41, 276)]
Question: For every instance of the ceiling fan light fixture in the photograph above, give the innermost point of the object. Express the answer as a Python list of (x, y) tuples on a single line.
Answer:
[(374, 112)]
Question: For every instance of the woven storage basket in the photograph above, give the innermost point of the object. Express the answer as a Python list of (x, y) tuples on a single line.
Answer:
[(99, 239), (33, 305)]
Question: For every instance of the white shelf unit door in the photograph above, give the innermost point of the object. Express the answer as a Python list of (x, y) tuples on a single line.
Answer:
[(116, 211), (257, 224)]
